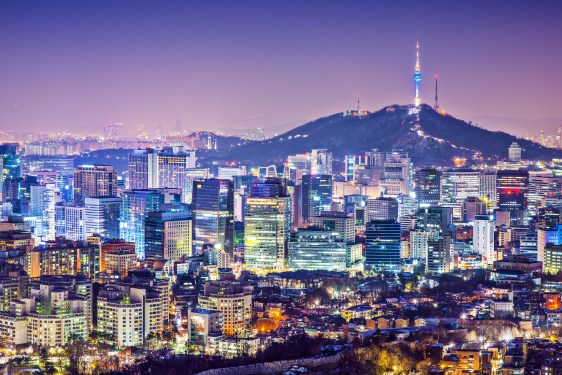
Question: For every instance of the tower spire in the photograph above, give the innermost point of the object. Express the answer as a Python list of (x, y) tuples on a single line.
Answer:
[(436, 105), (417, 77), (358, 105)]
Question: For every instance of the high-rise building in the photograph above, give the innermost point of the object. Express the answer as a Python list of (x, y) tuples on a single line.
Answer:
[(42, 204), (435, 218), (383, 244), (427, 182), (439, 255), (397, 175), (172, 165), (267, 226), (11, 163), (382, 208), (542, 184), (514, 152), (317, 249), (233, 300), (94, 181), (471, 207), (512, 187), (488, 190), (143, 169), (338, 222), (191, 175), (316, 195), (168, 235), (212, 210), (419, 240), (70, 222), (135, 206), (483, 238), (102, 216), (458, 184), (320, 162)]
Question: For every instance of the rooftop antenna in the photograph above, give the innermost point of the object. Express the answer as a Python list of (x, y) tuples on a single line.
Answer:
[(436, 105)]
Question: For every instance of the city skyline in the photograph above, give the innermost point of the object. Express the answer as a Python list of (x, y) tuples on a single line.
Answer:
[(70, 67)]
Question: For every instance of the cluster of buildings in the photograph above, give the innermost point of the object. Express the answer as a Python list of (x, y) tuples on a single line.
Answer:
[(180, 244)]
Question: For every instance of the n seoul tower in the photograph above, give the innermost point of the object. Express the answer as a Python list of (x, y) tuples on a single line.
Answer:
[(417, 77)]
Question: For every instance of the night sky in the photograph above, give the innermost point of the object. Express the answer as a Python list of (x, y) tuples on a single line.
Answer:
[(78, 65)]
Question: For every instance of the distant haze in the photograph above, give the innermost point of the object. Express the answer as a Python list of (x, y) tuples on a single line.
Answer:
[(79, 65)]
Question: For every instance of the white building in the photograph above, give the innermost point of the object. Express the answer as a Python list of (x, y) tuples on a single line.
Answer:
[(483, 238)]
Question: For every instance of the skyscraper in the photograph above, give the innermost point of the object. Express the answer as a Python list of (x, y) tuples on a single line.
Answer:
[(317, 249), (168, 234), (143, 169), (514, 152), (172, 165), (102, 216), (212, 209), (94, 181), (427, 186), (512, 187), (267, 226), (397, 174), (383, 244), (483, 238), (316, 195), (135, 206)]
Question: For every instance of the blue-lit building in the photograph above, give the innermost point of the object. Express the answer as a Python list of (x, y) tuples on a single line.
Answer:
[(135, 206), (317, 249), (427, 183), (383, 244), (316, 195), (212, 208), (168, 234), (10, 160)]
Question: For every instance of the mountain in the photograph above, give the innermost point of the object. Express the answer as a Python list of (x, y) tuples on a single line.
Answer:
[(430, 137)]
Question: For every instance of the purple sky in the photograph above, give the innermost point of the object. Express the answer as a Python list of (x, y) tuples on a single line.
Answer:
[(75, 65)]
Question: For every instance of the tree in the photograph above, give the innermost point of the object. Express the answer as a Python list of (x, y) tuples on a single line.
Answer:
[(76, 350)]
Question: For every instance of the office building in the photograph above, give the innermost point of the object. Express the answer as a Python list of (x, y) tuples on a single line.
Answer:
[(320, 162), (471, 207), (212, 210), (338, 222), (514, 153), (397, 174), (94, 181), (427, 185), (173, 163), (143, 169), (316, 195), (512, 188), (483, 238), (267, 226), (383, 244), (168, 235), (135, 206), (317, 249), (382, 208), (102, 216)]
